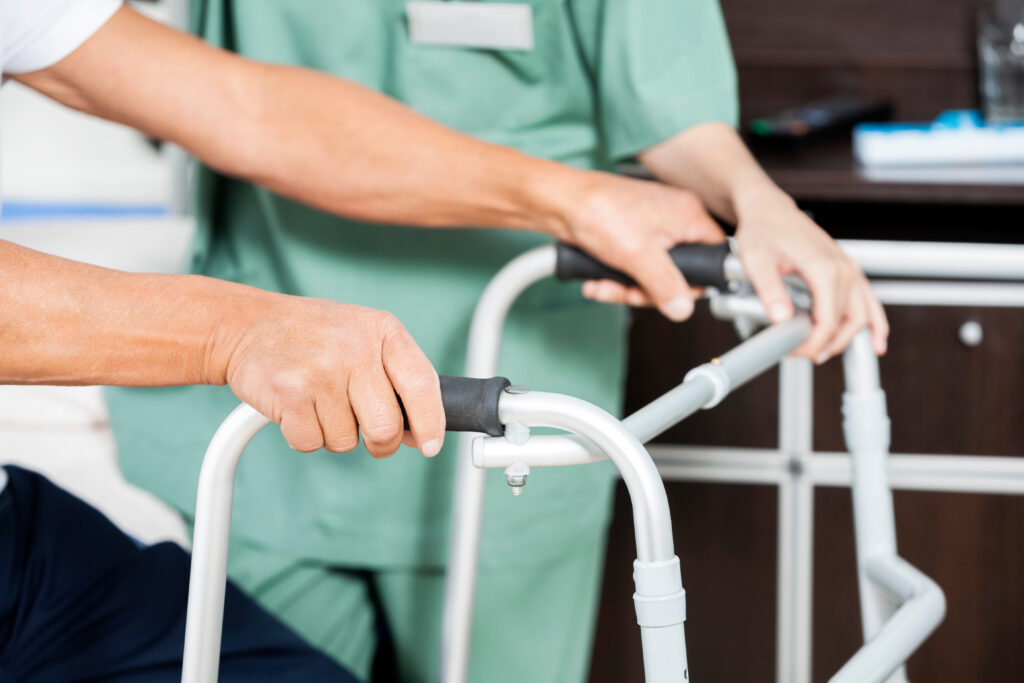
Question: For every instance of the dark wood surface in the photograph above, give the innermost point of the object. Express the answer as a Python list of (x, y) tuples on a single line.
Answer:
[(944, 398), (917, 55), (827, 171)]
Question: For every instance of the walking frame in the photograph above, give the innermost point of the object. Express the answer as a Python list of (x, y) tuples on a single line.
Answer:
[(900, 606)]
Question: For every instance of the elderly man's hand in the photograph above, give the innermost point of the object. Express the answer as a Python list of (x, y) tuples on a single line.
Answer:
[(321, 368), (630, 225)]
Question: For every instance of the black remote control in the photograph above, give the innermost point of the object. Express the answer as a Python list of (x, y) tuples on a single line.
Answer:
[(818, 119)]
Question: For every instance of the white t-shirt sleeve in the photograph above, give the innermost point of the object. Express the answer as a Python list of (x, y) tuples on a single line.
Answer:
[(39, 33)]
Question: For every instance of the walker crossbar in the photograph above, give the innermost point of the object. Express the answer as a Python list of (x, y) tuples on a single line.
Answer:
[(891, 636), (738, 366)]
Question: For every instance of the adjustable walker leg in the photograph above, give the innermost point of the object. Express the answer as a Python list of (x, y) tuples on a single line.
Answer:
[(900, 606)]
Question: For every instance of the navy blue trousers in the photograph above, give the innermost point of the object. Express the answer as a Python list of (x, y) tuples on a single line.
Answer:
[(80, 601)]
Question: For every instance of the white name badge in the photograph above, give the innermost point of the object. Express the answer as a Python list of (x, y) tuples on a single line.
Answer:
[(487, 25)]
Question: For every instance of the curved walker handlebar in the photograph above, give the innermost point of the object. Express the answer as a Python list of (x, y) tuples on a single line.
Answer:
[(470, 405), (476, 404)]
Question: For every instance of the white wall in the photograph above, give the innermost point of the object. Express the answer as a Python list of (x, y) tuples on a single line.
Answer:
[(53, 155)]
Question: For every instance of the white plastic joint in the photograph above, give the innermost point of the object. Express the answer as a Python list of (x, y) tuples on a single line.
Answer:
[(866, 422), (719, 378), (477, 450), (659, 599), (516, 433)]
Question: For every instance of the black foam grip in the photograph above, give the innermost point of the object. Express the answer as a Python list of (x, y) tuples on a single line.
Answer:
[(703, 265), (470, 404)]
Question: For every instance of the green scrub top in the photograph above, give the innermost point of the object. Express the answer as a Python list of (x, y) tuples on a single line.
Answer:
[(606, 79)]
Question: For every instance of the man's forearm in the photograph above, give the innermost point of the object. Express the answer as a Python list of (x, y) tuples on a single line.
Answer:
[(316, 138), (70, 323), (351, 150), (343, 148), (711, 160), (316, 367)]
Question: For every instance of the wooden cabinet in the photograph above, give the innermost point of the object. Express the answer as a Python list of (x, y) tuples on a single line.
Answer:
[(944, 397)]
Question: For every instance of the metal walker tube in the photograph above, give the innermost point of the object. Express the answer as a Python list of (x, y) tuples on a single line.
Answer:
[(744, 362), (470, 482), (941, 260), (659, 599), (900, 606), (646, 490), (208, 577)]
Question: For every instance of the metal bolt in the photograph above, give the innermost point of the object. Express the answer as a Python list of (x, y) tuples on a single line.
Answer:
[(517, 389), (515, 477)]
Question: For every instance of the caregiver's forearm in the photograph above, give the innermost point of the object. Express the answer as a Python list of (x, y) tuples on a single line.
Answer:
[(712, 160)]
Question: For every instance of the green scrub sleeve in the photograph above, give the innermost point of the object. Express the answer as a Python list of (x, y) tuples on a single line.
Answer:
[(658, 67)]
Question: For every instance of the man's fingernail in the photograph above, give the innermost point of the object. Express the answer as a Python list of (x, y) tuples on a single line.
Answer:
[(431, 448), (778, 312), (821, 357), (679, 308)]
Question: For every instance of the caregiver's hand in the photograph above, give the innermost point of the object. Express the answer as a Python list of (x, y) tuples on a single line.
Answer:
[(321, 368), (774, 238), (631, 224)]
